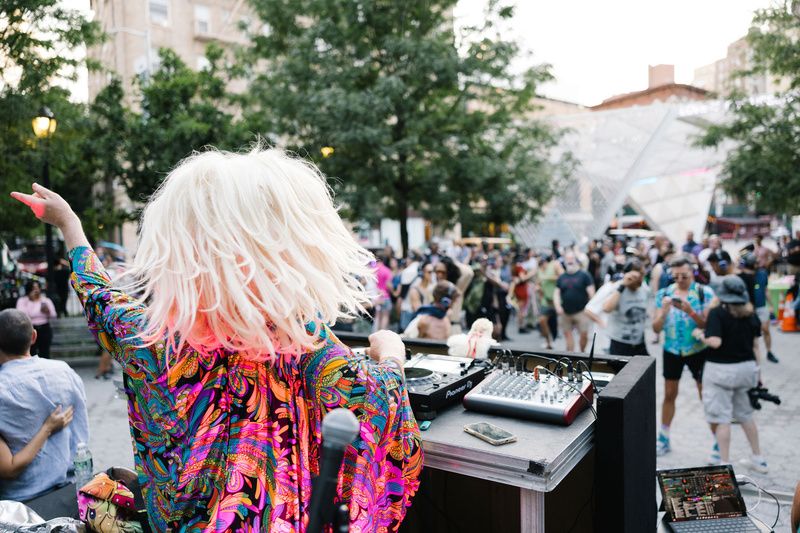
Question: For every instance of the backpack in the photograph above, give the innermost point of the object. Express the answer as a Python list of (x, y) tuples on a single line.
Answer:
[(666, 278), (701, 293)]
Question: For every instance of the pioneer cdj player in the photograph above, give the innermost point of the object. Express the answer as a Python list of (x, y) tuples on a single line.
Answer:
[(437, 381)]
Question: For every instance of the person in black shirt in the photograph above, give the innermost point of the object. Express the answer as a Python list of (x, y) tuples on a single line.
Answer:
[(731, 368), (573, 291)]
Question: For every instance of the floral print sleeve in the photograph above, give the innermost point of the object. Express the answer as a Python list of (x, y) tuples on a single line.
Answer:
[(114, 318), (223, 443), (381, 470)]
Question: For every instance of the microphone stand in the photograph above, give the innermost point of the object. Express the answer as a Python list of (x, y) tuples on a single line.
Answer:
[(339, 429)]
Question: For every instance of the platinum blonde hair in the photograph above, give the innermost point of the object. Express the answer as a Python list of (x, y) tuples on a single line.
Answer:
[(246, 252)]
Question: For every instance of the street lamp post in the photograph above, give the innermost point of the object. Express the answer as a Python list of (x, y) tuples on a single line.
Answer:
[(44, 125)]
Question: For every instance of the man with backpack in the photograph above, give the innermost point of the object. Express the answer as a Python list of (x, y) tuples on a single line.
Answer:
[(680, 308)]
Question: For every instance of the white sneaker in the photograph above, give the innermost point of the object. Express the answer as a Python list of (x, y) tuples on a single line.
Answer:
[(714, 458), (757, 464)]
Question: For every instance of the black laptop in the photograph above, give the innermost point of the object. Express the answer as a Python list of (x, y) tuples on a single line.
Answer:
[(704, 499)]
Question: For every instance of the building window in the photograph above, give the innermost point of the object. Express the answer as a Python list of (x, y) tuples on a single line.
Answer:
[(202, 19), (159, 11)]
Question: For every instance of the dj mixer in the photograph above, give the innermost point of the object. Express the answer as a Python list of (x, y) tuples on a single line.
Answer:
[(538, 395)]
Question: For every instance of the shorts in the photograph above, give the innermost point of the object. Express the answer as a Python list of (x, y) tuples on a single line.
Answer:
[(576, 321), (625, 349), (725, 389), (763, 315), (673, 365)]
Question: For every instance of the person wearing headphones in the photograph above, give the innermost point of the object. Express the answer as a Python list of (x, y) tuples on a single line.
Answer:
[(433, 321)]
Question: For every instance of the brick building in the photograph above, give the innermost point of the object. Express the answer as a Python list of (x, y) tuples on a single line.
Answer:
[(661, 88), (138, 28)]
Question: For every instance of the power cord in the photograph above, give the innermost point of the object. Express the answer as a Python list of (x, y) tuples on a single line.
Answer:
[(748, 480), (559, 361), (583, 507)]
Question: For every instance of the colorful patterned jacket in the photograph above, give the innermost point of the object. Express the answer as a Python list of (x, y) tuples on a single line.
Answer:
[(222, 443)]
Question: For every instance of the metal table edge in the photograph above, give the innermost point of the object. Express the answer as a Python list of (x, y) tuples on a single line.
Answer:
[(509, 472)]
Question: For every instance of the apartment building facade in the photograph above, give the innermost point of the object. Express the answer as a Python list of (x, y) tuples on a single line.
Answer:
[(138, 28), (721, 77)]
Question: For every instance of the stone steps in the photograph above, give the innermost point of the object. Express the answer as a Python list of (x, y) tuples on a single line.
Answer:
[(72, 342)]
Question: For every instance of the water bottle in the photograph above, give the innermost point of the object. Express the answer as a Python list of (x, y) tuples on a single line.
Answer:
[(84, 468)]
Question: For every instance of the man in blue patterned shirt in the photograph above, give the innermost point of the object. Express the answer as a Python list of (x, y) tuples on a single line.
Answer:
[(31, 392), (680, 308)]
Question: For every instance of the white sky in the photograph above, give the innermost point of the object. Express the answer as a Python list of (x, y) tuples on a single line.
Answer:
[(602, 48)]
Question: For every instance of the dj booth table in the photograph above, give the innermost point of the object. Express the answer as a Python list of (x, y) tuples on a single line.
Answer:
[(535, 464), (590, 476)]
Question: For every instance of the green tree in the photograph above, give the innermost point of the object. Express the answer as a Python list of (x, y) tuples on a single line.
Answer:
[(103, 150), (36, 37), (181, 110), (763, 165), (418, 117)]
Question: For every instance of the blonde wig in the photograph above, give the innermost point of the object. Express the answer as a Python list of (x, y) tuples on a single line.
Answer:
[(243, 252)]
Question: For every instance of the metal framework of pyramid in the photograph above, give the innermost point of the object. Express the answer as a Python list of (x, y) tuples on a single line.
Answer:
[(643, 156)]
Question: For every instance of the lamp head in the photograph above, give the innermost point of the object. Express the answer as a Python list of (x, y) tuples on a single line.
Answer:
[(44, 123)]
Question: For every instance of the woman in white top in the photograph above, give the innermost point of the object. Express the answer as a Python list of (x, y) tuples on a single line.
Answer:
[(40, 310), (421, 291)]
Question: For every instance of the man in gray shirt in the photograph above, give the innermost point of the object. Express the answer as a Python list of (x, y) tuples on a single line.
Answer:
[(627, 309), (31, 389)]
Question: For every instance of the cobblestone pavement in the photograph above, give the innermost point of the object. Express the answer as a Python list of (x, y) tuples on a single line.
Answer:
[(779, 426)]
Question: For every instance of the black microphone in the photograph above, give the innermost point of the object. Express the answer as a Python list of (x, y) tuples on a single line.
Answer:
[(339, 430)]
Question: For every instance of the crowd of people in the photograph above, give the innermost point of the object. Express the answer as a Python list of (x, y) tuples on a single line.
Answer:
[(562, 288), (708, 307)]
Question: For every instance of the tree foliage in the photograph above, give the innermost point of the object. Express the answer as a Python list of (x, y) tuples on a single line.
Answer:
[(763, 166), (419, 117), (36, 37), (181, 110)]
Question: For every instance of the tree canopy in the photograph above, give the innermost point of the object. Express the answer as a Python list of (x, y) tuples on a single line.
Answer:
[(181, 110), (763, 166), (36, 42), (419, 117)]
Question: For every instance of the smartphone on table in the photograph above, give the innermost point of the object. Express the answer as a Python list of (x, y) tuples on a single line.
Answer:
[(490, 433)]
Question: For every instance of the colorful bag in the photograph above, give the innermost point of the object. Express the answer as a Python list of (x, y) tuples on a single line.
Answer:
[(107, 506)]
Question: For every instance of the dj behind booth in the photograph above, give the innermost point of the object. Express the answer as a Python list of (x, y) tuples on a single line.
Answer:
[(531, 441)]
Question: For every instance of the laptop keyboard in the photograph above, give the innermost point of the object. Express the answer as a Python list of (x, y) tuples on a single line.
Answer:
[(722, 525)]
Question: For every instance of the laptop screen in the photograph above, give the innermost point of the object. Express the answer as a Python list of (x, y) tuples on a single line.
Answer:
[(701, 493)]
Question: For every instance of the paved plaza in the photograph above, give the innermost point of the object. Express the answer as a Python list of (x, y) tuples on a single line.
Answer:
[(779, 426)]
